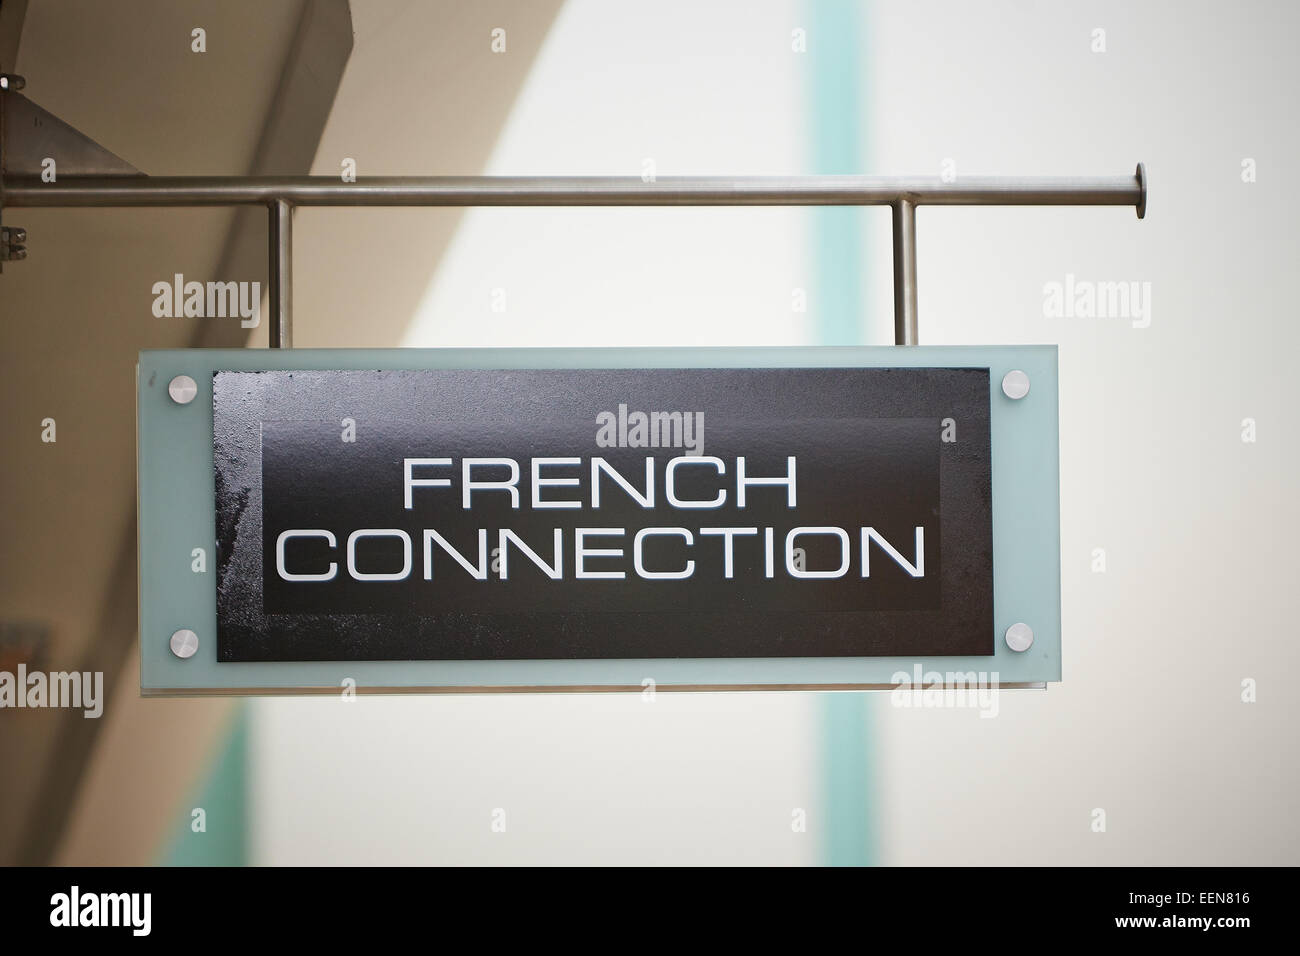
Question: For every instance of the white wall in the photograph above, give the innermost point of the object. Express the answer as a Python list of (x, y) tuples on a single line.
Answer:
[(1199, 588)]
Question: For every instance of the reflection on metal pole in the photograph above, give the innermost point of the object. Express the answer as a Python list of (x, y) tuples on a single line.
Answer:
[(905, 321), (279, 295)]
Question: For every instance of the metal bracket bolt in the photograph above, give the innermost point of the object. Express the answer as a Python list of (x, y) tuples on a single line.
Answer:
[(1015, 384), (11, 243), (182, 389), (1020, 637), (184, 643)]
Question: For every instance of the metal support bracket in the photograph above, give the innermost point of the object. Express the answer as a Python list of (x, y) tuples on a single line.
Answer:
[(906, 330), (89, 175), (36, 144), (279, 293)]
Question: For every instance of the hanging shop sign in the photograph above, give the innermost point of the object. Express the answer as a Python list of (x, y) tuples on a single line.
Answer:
[(593, 519)]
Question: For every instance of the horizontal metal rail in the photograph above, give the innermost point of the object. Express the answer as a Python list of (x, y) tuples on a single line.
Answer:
[(281, 194), (573, 191)]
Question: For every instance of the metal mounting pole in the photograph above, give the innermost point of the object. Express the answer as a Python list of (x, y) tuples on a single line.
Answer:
[(28, 190), (282, 194), (279, 294), (905, 320)]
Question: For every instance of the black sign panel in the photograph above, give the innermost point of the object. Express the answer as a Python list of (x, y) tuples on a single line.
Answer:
[(603, 513)]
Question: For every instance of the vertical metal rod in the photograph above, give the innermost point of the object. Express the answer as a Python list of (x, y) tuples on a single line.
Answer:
[(905, 321), (279, 295)]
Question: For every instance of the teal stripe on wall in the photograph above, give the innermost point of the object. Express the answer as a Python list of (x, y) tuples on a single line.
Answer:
[(223, 796), (838, 121)]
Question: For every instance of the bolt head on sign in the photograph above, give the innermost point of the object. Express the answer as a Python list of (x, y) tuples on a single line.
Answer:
[(184, 644), (182, 389), (1020, 636), (1015, 384)]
